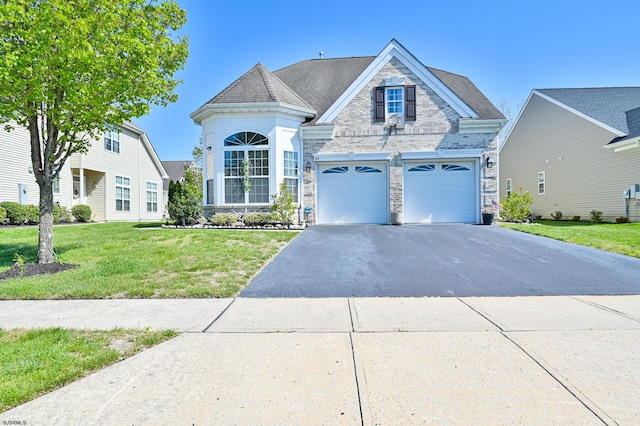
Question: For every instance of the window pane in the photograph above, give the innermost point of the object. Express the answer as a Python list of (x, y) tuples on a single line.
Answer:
[(119, 180), (259, 190), (292, 186), (233, 191), (290, 163), (126, 181), (210, 191)]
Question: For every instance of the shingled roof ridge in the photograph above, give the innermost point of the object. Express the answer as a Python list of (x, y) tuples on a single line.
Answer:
[(270, 78)]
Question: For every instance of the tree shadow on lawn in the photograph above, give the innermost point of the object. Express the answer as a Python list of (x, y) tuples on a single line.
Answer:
[(29, 253)]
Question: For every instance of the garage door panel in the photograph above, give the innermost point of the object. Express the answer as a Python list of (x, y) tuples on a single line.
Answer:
[(352, 193), (439, 192)]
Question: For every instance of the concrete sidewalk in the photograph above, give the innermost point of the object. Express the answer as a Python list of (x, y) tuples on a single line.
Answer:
[(531, 360)]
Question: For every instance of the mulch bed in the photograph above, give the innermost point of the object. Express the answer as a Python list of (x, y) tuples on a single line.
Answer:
[(32, 269)]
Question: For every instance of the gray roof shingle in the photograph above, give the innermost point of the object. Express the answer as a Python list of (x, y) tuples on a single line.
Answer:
[(321, 81), (258, 85), (608, 105), (317, 83), (469, 93)]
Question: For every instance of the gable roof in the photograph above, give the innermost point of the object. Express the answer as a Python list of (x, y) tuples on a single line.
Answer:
[(130, 125), (175, 170), (606, 105), (258, 85), (323, 85)]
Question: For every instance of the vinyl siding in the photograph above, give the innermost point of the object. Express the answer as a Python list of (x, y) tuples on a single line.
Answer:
[(581, 175), (100, 168), (15, 161)]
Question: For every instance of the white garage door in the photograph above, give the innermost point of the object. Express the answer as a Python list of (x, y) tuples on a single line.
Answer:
[(439, 192), (353, 192)]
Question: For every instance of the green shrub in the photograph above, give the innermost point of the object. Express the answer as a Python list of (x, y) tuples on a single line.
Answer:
[(282, 208), (3, 215), (557, 215), (81, 212), (516, 207), (17, 213), (622, 219), (257, 219), (575, 218), (538, 217), (65, 215), (33, 214), (223, 219), (597, 216)]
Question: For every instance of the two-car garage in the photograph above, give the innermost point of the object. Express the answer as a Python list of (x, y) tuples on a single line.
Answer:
[(433, 190)]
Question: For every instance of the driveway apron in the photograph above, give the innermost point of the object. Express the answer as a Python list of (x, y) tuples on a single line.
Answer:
[(439, 260)]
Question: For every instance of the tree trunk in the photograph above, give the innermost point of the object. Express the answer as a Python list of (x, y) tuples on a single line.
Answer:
[(45, 228)]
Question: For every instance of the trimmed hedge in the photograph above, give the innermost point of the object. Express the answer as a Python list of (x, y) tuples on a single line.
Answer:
[(257, 219), (3, 215), (81, 212), (223, 219), (17, 213)]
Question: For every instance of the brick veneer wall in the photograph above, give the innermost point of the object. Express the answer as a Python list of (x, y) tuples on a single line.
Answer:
[(436, 127)]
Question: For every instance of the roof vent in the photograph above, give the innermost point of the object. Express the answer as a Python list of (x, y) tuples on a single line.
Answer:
[(321, 54)]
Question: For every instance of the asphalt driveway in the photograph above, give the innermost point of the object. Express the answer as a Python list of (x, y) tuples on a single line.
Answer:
[(439, 260)]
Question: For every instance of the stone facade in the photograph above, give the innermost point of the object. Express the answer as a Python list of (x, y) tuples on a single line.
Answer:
[(436, 128)]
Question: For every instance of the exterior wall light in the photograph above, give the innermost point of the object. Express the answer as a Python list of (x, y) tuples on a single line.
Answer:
[(307, 167), (488, 163)]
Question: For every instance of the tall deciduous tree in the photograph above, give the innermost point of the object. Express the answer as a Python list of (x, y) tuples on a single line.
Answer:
[(69, 67)]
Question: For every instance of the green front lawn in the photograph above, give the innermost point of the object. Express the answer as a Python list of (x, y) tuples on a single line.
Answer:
[(33, 362), (621, 238), (132, 260)]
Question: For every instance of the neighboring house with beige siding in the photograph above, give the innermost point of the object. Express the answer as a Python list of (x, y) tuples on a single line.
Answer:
[(576, 150), (120, 177)]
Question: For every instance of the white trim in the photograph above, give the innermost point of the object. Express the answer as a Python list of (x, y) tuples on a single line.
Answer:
[(480, 126), (208, 110), (352, 156), (624, 145), (441, 153), (317, 132), (580, 114), (396, 50)]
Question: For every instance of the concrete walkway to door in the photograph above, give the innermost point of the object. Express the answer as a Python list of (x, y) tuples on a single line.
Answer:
[(439, 260)]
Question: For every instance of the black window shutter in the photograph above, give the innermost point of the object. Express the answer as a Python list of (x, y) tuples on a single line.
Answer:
[(410, 103), (379, 105)]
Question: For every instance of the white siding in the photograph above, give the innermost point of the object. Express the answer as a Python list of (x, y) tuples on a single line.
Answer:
[(15, 162), (580, 174)]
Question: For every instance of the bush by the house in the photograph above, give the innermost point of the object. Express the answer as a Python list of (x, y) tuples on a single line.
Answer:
[(557, 215), (622, 219), (185, 199), (257, 219), (33, 214), (223, 219), (17, 213), (283, 208), (61, 214), (81, 212), (597, 216), (516, 207), (3, 215), (575, 218)]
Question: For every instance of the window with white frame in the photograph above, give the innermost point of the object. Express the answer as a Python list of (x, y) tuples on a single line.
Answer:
[(123, 193), (152, 197), (55, 185), (210, 199), (246, 169), (541, 183), (508, 187), (395, 101), (291, 173), (112, 139)]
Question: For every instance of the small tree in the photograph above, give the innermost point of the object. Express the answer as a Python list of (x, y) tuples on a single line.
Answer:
[(185, 199), (516, 207), (282, 208), (69, 67)]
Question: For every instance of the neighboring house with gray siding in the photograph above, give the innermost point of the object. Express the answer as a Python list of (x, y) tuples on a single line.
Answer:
[(576, 150), (377, 139), (120, 177)]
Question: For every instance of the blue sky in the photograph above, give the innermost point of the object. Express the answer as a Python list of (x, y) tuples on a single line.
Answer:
[(507, 48)]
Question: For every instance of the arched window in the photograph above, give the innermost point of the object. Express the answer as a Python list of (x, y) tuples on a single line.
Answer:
[(246, 168)]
